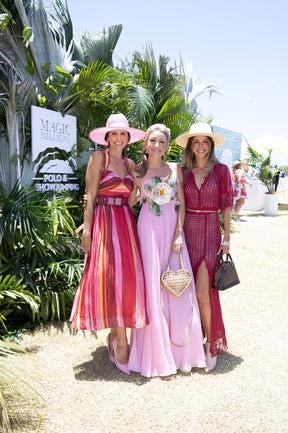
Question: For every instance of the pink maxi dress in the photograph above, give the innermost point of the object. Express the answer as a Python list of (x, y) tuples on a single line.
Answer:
[(173, 338), (111, 292)]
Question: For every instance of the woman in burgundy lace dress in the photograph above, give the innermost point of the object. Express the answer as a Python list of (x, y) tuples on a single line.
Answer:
[(208, 190)]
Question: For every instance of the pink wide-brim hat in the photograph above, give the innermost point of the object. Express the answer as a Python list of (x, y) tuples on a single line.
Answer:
[(114, 122)]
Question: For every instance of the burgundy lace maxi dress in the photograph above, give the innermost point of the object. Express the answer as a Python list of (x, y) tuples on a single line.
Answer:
[(203, 235)]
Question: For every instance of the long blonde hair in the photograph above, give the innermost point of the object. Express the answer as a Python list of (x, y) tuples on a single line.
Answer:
[(189, 159), (142, 167)]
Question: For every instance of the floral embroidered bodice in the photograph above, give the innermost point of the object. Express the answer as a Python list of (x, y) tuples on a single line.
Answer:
[(157, 191)]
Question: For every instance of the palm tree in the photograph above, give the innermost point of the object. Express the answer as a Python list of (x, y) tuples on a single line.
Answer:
[(174, 90), (39, 61), (263, 164)]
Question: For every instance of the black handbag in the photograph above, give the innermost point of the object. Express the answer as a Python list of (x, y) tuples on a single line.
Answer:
[(225, 275)]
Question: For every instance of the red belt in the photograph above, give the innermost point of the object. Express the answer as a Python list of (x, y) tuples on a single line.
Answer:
[(201, 212), (112, 201)]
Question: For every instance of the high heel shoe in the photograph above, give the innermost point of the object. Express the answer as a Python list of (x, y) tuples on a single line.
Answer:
[(111, 353), (211, 361), (122, 367)]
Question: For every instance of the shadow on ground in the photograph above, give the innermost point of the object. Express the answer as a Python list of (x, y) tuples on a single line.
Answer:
[(100, 368), (227, 362)]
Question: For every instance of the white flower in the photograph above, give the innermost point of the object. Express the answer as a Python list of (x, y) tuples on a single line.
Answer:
[(162, 193)]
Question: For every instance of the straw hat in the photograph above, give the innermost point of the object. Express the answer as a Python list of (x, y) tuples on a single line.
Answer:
[(203, 129), (114, 122)]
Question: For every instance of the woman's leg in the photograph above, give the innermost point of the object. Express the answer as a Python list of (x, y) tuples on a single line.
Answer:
[(238, 206), (122, 346), (113, 333), (203, 295), (202, 290)]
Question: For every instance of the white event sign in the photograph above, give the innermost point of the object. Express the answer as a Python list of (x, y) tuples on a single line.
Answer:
[(51, 129)]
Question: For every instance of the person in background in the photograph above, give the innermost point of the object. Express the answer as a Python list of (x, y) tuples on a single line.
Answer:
[(276, 177), (240, 186), (111, 293), (208, 190)]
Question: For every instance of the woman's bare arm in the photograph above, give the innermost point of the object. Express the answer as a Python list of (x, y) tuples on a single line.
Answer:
[(226, 235), (134, 194), (93, 172), (178, 240)]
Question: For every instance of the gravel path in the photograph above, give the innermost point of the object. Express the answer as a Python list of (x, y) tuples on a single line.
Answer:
[(247, 392)]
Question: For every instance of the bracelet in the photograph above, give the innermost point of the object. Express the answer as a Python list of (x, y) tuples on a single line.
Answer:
[(225, 243)]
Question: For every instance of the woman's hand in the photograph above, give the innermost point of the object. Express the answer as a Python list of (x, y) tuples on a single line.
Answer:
[(86, 242), (224, 248), (177, 243)]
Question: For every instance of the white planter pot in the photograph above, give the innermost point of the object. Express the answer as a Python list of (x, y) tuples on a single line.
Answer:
[(271, 204)]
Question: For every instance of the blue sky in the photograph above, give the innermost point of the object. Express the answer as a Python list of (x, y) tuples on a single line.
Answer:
[(240, 47)]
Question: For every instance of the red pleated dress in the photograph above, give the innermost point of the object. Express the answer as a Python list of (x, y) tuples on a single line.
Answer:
[(112, 291), (203, 235)]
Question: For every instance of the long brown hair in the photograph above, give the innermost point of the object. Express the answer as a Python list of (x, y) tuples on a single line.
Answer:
[(142, 167), (189, 159)]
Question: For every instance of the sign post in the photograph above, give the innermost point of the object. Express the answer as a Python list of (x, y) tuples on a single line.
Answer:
[(52, 130)]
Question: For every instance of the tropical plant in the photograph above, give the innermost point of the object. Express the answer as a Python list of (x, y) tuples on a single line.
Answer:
[(39, 61), (173, 90), (12, 384), (265, 169), (165, 84), (39, 249), (5, 350), (13, 297), (28, 52)]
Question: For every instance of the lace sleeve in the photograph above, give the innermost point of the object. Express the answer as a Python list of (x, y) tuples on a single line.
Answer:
[(226, 188)]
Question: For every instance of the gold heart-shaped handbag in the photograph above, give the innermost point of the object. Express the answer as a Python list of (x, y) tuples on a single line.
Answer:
[(176, 282)]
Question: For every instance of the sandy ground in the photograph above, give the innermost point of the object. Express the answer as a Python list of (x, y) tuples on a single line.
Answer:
[(247, 392)]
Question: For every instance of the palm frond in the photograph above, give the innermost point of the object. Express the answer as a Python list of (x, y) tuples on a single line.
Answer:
[(141, 103), (15, 381), (13, 295), (100, 46), (62, 18), (59, 215), (95, 74), (192, 86)]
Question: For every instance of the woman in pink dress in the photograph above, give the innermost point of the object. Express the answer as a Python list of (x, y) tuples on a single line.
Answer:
[(173, 338), (111, 293), (208, 190), (240, 186)]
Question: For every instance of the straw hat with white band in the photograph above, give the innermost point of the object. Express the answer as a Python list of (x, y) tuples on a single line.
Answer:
[(200, 129)]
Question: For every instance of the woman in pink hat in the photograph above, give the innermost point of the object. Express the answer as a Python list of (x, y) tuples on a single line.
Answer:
[(111, 293), (208, 190), (173, 339)]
